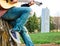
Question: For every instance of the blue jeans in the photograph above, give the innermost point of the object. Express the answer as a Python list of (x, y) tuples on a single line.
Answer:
[(17, 17)]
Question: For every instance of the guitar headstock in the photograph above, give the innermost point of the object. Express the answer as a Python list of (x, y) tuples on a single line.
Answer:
[(38, 3)]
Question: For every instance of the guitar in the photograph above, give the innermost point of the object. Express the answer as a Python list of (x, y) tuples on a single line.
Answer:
[(6, 5)]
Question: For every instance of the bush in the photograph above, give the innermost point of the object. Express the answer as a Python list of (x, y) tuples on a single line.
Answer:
[(33, 23)]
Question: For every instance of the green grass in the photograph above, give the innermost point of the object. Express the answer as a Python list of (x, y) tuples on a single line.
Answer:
[(43, 38)]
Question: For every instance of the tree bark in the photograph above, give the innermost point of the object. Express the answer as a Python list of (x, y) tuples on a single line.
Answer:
[(5, 39)]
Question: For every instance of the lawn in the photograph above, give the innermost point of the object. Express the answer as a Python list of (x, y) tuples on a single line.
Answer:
[(43, 38)]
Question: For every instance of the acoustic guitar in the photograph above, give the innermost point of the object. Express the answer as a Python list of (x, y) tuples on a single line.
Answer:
[(6, 5)]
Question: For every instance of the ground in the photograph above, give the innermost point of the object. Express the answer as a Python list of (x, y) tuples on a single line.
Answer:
[(44, 45)]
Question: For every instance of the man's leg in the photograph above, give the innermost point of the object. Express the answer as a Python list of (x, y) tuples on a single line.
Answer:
[(17, 14), (20, 15), (25, 36), (20, 22), (14, 13)]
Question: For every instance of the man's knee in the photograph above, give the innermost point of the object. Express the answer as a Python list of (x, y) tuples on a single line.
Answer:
[(28, 9)]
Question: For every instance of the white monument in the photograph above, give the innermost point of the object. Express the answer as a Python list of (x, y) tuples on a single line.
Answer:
[(45, 20)]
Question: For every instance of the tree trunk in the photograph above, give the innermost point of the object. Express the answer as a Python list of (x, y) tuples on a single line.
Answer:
[(5, 39)]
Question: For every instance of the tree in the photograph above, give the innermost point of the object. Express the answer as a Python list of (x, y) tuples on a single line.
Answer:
[(52, 25), (32, 24)]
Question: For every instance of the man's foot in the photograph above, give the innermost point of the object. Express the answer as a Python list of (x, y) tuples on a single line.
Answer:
[(14, 36)]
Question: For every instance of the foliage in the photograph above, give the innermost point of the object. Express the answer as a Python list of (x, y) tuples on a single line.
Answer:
[(39, 24), (32, 24), (35, 23), (51, 24)]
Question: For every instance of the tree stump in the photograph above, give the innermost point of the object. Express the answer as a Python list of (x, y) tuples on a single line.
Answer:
[(5, 39)]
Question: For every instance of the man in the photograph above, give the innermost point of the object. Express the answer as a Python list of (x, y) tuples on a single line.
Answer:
[(17, 17)]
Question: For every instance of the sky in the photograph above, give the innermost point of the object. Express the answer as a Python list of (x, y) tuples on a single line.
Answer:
[(53, 6)]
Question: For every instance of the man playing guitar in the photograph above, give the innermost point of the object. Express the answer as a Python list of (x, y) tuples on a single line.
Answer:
[(17, 17)]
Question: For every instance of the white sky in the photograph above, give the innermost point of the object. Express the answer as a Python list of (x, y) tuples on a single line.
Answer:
[(53, 6)]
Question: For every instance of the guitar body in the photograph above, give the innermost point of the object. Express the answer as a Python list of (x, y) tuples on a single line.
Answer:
[(8, 5)]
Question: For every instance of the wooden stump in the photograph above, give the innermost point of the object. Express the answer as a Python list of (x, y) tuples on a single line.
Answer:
[(5, 39)]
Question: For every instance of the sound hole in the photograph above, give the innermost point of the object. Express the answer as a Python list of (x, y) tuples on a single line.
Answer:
[(11, 0), (7, 1)]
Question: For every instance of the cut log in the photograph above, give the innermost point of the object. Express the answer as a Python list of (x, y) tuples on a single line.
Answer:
[(5, 39)]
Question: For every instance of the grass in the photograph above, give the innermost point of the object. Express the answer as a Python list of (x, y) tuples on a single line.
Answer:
[(43, 38)]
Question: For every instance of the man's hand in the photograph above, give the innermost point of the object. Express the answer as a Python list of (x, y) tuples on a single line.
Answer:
[(31, 3)]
